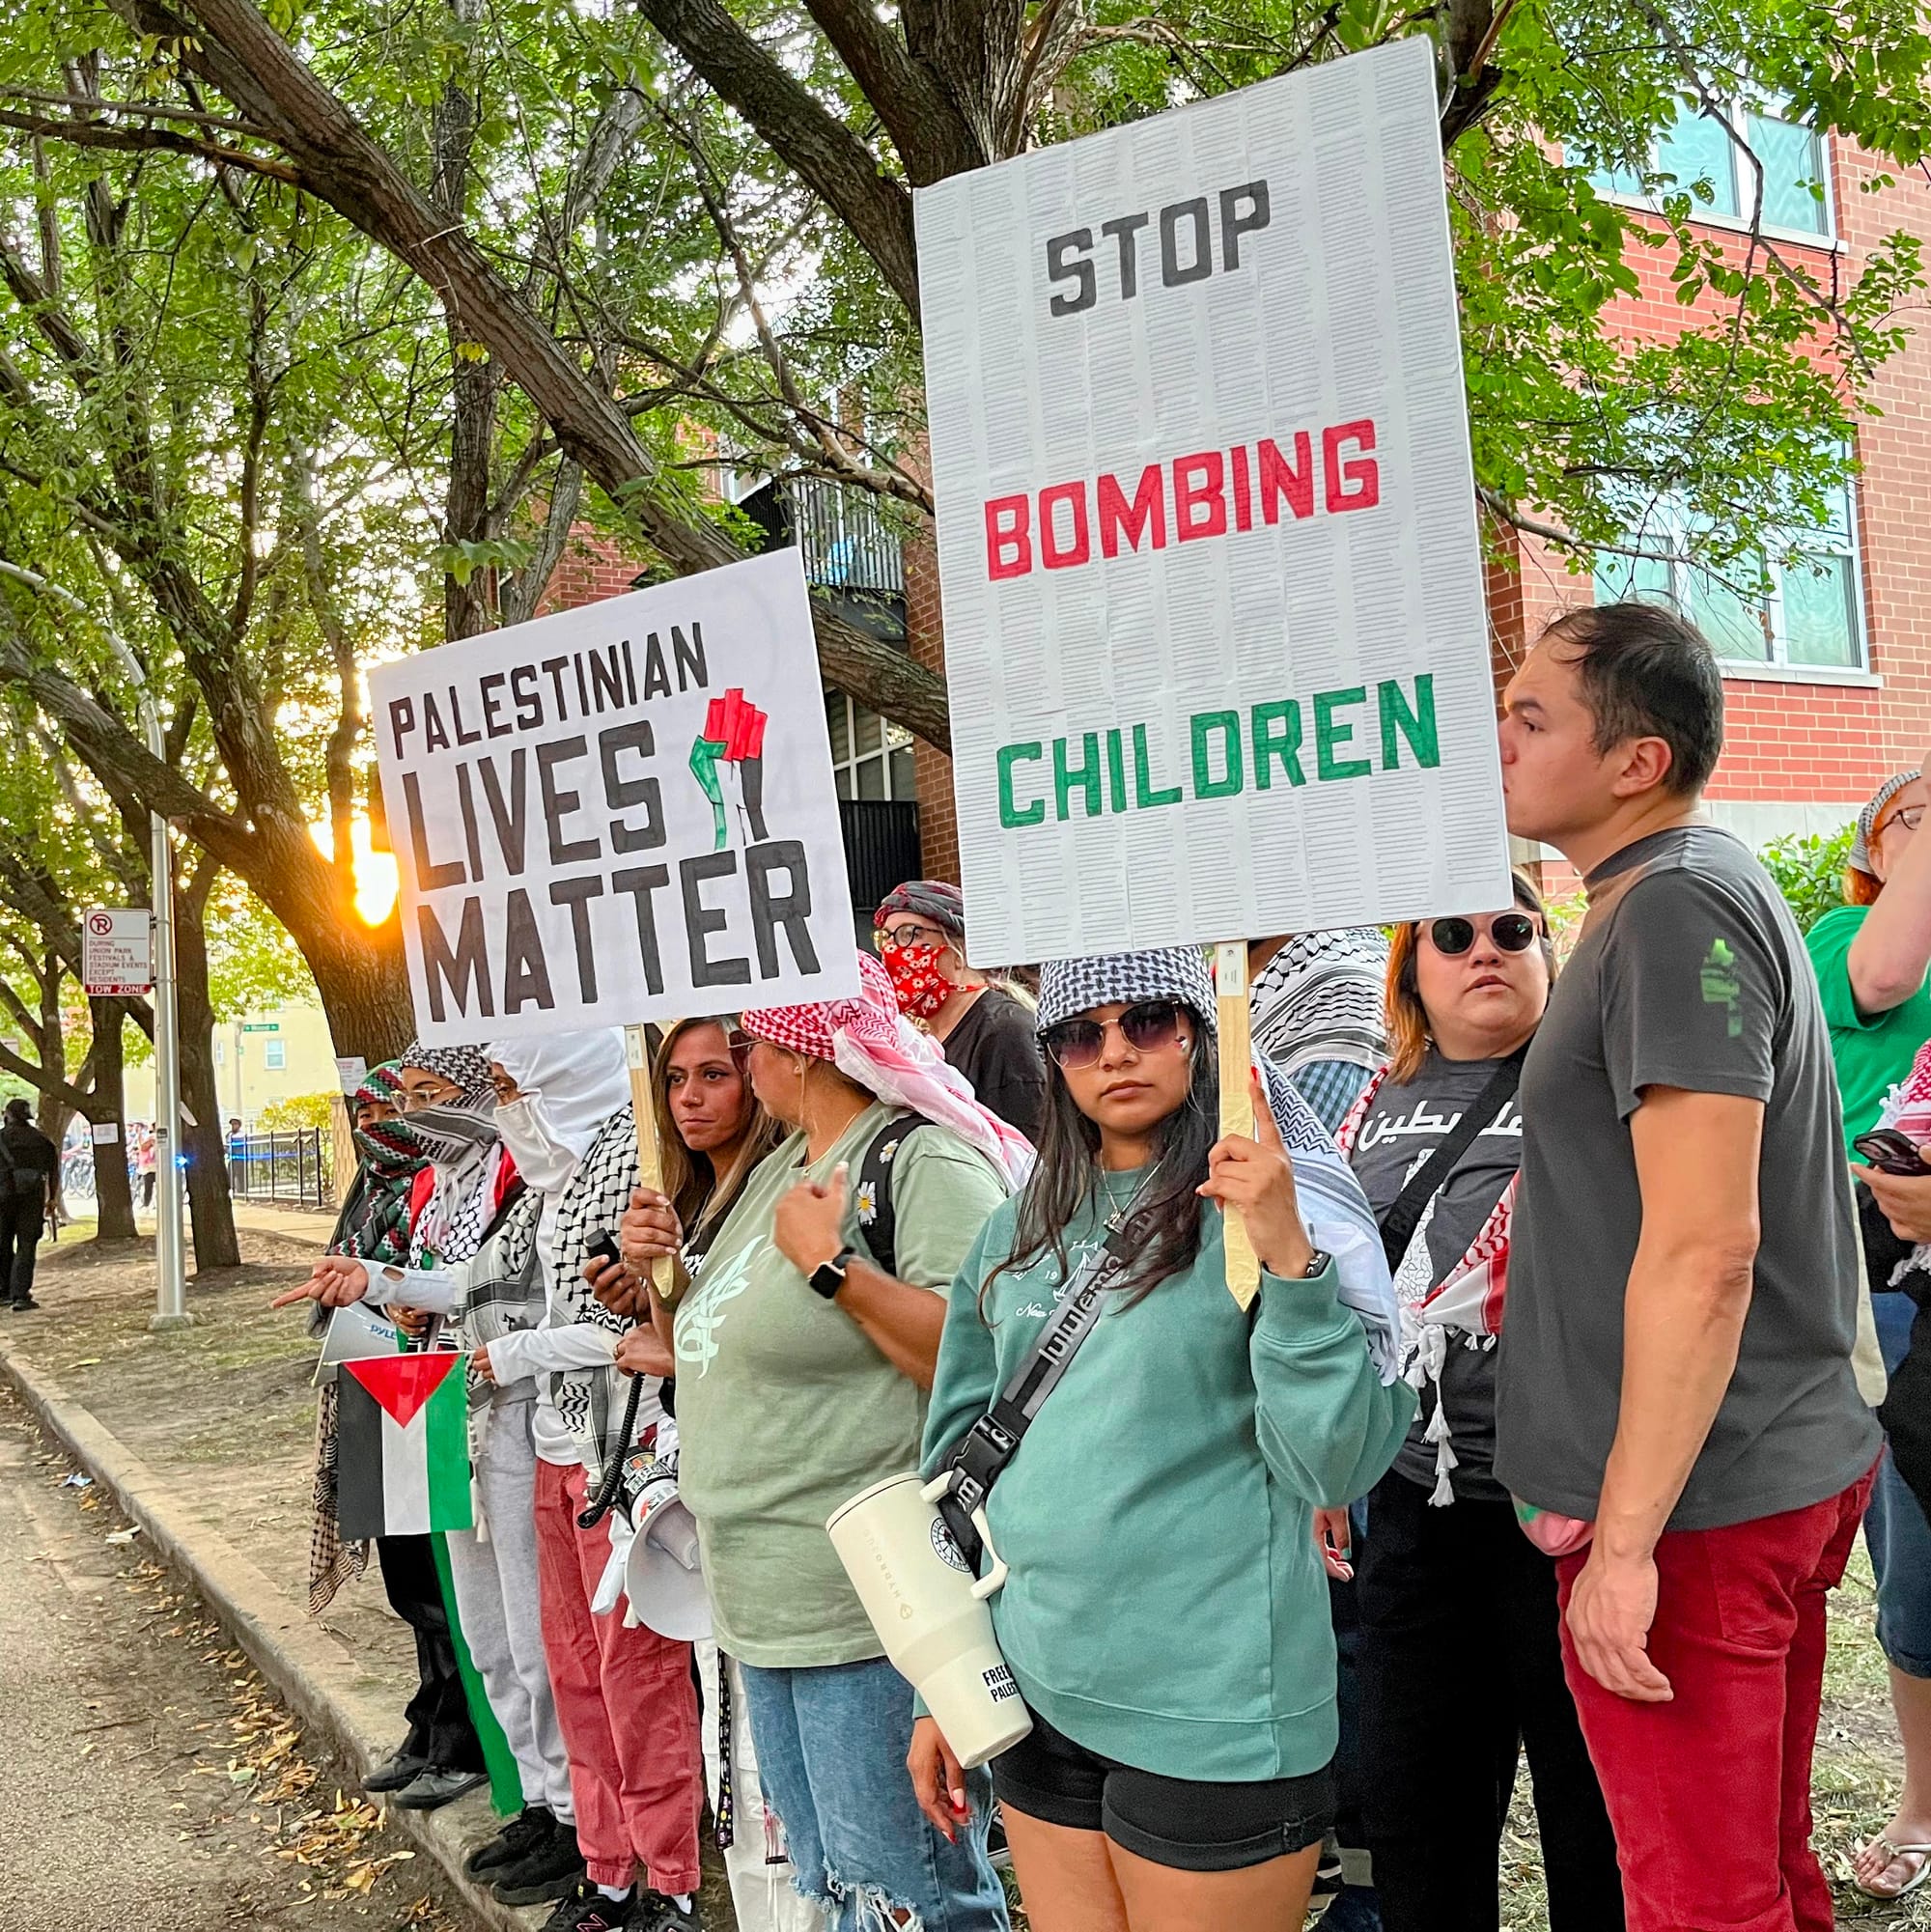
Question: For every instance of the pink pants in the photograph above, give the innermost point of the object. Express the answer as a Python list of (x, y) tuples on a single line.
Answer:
[(627, 1706), (1710, 1793)]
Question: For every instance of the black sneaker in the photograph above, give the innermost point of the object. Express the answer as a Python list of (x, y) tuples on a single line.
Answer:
[(550, 1869), (587, 1910), (399, 1771), (25, 1305), (658, 1914), (432, 1789), (530, 1828)]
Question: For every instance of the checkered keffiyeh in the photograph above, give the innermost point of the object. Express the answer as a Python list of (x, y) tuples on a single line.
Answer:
[(1860, 857), (876, 1048), (1067, 987), (464, 1067), (590, 1400), (1339, 1218)]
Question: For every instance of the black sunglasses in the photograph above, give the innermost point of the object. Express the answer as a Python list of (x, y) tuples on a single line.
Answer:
[(1150, 1024), (1512, 931)]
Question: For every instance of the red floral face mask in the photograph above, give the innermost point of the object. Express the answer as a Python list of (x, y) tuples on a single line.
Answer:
[(921, 988)]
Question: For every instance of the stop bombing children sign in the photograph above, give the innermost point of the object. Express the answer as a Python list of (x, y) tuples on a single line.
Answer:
[(1213, 617)]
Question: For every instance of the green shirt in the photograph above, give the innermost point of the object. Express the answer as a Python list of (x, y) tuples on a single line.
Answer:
[(1166, 1606), (1873, 1051), (785, 1408)]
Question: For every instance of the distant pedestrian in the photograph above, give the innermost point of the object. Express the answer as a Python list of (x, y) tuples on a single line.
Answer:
[(28, 1163), (985, 1029)]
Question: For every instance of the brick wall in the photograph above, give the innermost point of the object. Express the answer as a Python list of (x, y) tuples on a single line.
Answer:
[(1791, 743)]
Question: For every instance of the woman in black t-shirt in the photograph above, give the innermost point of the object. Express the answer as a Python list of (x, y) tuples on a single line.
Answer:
[(985, 1031), (1460, 1657)]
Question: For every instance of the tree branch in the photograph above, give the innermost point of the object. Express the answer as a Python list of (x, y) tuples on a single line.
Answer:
[(147, 140)]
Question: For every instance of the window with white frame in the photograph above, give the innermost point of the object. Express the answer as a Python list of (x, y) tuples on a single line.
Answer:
[(1795, 604), (276, 1056), (871, 757), (1703, 161)]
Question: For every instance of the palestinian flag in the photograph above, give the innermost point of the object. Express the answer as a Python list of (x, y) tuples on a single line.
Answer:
[(403, 1446)]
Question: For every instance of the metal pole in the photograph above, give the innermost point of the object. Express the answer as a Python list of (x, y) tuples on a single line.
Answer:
[(169, 1249), (170, 1244)]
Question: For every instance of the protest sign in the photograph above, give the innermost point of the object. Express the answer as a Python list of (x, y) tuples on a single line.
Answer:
[(117, 951), (1214, 626), (619, 814)]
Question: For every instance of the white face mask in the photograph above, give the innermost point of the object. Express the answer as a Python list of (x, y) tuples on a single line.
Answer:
[(544, 1162)]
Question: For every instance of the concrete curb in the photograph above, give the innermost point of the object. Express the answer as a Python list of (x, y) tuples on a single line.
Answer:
[(314, 1673)]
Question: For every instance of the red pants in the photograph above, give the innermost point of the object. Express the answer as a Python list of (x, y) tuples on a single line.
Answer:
[(625, 1702), (1710, 1793)]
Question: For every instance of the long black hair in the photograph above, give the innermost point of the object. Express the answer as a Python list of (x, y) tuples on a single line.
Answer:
[(1164, 1225)]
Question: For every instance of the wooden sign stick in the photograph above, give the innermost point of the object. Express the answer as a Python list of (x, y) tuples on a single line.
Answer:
[(650, 1164), (1237, 1104)]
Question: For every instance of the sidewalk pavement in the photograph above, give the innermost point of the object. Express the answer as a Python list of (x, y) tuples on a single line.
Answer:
[(204, 1437)]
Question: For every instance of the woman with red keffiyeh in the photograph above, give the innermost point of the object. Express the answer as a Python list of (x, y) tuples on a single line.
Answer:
[(804, 1362)]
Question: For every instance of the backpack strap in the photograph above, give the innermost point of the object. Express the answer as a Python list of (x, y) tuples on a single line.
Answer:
[(878, 1211)]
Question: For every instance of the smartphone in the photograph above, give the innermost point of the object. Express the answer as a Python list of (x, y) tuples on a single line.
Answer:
[(1891, 1152), (603, 1243)]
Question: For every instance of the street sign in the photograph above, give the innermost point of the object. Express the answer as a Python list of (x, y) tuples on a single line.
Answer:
[(117, 951), (261, 1025)]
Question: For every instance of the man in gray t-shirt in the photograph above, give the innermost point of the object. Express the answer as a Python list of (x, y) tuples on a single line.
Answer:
[(1674, 1371)]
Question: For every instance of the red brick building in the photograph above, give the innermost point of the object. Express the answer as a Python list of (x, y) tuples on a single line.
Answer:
[(1819, 709)]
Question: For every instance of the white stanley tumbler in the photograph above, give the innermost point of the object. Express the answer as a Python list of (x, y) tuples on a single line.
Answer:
[(930, 1614)]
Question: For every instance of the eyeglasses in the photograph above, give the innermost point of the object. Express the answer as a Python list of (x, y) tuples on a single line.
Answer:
[(1146, 1028), (1512, 931), (1910, 817), (906, 934)]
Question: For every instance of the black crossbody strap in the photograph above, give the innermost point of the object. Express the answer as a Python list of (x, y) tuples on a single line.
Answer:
[(1399, 1223), (985, 1448)]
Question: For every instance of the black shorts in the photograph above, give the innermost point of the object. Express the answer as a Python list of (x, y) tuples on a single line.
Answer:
[(1175, 1822)]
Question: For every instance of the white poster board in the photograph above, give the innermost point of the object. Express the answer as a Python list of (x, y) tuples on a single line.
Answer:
[(351, 1071), (1214, 626), (105, 1132), (117, 951), (618, 814)]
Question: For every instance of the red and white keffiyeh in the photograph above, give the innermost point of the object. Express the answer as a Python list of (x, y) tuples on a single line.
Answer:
[(871, 1042), (1467, 1300), (1906, 1108)]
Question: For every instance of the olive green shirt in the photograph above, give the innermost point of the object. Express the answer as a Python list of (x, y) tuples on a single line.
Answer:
[(786, 1408)]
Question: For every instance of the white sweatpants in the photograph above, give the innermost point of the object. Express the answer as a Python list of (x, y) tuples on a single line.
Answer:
[(760, 1874), (494, 1570)]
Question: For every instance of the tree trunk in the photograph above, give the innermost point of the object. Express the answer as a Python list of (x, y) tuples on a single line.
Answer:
[(364, 984), (112, 1193), (205, 1143)]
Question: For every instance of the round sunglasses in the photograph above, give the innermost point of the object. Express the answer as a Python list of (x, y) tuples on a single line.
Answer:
[(1512, 931), (1145, 1027)]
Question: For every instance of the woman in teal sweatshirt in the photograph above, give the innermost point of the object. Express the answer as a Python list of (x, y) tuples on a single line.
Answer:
[(1166, 1613)]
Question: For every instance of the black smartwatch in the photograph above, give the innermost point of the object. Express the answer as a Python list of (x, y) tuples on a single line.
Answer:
[(829, 1279)]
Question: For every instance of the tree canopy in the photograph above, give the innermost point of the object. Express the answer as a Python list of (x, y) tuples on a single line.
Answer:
[(328, 328)]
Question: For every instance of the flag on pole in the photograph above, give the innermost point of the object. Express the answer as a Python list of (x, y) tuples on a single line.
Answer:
[(403, 1446)]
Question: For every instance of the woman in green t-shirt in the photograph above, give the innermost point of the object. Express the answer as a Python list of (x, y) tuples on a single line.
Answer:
[(1871, 955), (803, 1366)]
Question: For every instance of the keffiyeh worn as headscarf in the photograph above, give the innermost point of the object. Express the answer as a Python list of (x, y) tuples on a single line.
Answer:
[(461, 1139), (1861, 846), (1335, 1210), (928, 899), (871, 1042)]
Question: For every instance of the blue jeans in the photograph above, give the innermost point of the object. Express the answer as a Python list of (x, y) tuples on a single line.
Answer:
[(1896, 1532), (831, 1746)]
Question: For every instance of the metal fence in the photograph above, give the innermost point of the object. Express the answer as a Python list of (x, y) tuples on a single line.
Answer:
[(294, 1168)]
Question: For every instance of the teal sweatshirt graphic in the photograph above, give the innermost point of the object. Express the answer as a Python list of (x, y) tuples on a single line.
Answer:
[(1167, 1607)]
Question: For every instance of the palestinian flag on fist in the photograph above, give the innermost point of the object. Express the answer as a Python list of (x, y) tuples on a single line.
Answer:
[(403, 1446)]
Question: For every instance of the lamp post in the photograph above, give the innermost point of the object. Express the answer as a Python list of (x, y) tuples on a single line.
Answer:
[(169, 1242)]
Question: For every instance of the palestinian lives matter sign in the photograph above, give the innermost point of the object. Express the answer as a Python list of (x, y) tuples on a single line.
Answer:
[(1213, 617), (618, 814), (117, 951)]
